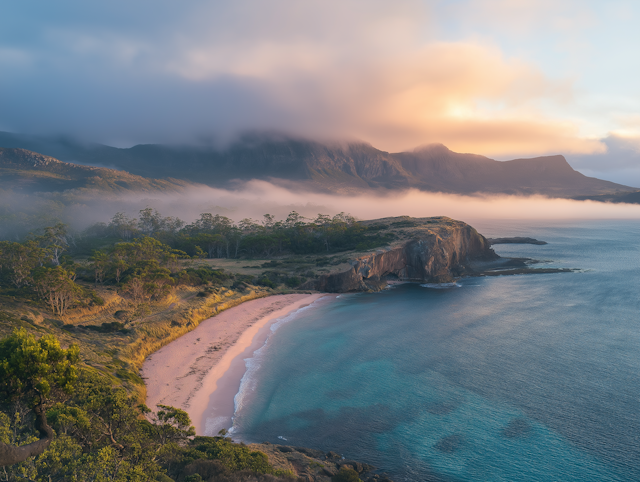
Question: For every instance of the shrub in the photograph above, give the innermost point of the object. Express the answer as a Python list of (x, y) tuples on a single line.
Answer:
[(346, 475), (292, 282), (264, 281)]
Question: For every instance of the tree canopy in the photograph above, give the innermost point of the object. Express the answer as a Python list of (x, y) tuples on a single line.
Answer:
[(30, 370)]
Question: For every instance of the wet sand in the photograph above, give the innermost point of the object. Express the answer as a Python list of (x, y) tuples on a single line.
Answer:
[(200, 372)]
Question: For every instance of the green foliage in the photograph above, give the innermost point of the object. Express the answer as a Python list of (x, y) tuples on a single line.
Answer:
[(218, 237), (172, 425), (56, 287), (30, 367), (201, 276), (102, 432), (19, 260), (193, 478), (264, 281), (293, 281), (234, 457), (346, 475)]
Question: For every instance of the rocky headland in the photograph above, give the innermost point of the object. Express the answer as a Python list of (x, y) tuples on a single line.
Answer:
[(515, 240), (426, 250)]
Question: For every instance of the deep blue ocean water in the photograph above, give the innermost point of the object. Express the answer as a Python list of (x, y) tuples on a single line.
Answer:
[(510, 378)]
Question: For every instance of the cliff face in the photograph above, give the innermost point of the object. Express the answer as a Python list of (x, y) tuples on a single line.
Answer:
[(433, 250)]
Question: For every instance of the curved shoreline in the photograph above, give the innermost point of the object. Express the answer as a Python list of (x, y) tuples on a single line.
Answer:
[(200, 372)]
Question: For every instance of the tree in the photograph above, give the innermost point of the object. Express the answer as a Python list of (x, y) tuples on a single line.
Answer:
[(172, 425), (123, 225), (148, 281), (99, 264), (150, 221), (57, 288), (54, 241), (32, 370), (20, 259), (118, 443), (294, 220)]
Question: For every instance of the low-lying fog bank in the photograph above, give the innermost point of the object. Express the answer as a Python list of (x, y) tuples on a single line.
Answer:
[(20, 212)]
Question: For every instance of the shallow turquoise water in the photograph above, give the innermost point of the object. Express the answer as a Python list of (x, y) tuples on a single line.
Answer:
[(527, 378)]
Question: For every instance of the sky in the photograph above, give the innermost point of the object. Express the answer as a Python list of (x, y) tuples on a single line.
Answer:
[(502, 78)]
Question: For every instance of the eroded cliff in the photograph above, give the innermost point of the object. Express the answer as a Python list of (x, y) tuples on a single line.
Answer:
[(428, 250)]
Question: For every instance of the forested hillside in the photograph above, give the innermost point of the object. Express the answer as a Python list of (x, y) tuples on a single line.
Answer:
[(79, 314)]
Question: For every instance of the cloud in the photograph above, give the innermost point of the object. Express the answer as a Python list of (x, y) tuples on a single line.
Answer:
[(619, 163), (253, 199), (520, 18), (256, 198), (165, 72)]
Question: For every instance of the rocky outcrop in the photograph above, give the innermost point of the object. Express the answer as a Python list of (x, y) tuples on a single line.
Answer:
[(311, 465), (515, 240), (433, 250)]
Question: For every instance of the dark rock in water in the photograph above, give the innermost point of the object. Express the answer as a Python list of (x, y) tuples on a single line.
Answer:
[(351, 464), (357, 466), (450, 443), (517, 428), (333, 456), (515, 240), (313, 453)]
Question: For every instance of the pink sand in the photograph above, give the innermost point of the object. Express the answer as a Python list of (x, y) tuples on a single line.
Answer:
[(200, 372)]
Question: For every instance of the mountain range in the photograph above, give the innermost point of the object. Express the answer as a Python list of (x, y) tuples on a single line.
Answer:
[(346, 167)]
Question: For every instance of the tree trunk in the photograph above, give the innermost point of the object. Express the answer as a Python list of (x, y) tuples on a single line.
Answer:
[(11, 454)]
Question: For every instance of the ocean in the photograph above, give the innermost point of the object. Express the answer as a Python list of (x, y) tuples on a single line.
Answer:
[(508, 378)]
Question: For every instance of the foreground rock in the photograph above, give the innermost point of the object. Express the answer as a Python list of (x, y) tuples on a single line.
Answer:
[(314, 465)]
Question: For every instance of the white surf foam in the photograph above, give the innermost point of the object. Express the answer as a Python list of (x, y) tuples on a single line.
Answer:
[(249, 380), (441, 286)]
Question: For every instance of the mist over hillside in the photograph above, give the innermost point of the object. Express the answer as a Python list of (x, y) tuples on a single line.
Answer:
[(26, 170), (340, 167), (276, 175)]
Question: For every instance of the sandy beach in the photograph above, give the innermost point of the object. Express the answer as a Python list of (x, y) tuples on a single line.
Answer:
[(201, 371)]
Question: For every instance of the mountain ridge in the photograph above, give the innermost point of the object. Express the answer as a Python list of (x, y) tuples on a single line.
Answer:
[(339, 167), (24, 169)]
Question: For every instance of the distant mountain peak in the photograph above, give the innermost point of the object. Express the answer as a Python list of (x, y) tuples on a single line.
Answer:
[(432, 147), (335, 166)]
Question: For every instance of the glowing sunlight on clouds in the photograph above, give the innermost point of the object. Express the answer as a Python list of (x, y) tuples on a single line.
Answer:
[(494, 77)]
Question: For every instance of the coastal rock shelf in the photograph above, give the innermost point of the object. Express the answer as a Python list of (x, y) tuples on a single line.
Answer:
[(427, 250), (434, 250), (515, 240)]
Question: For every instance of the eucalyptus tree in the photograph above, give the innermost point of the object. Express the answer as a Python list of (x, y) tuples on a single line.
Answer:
[(33, 370)]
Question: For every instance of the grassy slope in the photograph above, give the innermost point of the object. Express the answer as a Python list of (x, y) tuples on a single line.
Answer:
[(20, 168), (120, 354)]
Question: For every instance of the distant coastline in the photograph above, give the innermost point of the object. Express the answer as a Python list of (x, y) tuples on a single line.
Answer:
[(515, 240)]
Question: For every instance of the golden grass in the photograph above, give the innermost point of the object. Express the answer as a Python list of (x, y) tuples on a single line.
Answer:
[(120, 355)]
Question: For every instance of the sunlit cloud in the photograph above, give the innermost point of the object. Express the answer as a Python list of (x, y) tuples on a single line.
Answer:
[(477, 75)]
